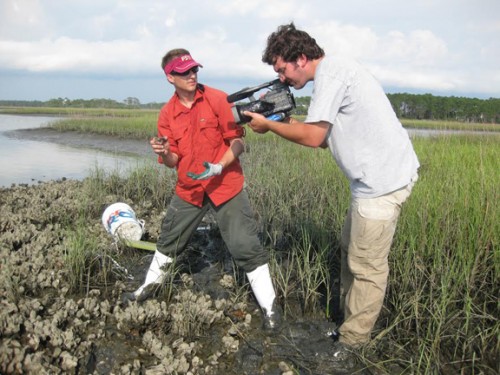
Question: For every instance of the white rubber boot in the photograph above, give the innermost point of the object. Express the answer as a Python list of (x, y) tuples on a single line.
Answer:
[(263, 289), (154, 278)]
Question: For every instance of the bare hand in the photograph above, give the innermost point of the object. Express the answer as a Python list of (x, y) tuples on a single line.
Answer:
[(259, 123), (160, 145)]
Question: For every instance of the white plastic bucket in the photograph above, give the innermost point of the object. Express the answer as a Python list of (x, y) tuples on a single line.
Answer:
[(120, 221)]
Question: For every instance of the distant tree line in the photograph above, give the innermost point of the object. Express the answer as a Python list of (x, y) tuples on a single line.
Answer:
[(130, 102), (409, 106), (430, 107)]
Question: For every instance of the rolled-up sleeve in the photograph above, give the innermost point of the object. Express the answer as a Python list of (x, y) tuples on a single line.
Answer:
[(230, 129), (164, 130)]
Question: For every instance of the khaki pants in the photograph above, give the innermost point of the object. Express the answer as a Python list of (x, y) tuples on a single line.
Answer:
[(366, 240)]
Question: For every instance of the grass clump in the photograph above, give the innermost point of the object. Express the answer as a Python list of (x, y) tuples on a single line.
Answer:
[(84, 260), (138, 126), (445, 261)]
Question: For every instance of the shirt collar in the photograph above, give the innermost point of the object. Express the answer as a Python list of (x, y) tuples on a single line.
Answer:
[(179, 108)]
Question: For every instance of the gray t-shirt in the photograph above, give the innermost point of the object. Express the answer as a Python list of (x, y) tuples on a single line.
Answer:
[(366, 138)]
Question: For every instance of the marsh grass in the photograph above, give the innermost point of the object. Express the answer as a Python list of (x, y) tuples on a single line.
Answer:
[(147, 184), (77, 112), (311, 267), (169, 287), (141, 123), (127, 125), (442, 309), (88, 262), (450, 125), (444, 281)]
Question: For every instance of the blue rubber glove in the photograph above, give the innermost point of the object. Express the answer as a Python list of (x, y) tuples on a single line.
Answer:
[(210, 171)]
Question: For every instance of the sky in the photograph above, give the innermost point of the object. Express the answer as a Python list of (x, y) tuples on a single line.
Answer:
[(89, 49)]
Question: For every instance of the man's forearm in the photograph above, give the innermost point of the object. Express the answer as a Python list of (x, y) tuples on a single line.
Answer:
[(236, 148), (170, 159), (311, 135), (306, 134)]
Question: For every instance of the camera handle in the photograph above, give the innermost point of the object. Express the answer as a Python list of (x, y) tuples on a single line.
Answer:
[(249, 91)]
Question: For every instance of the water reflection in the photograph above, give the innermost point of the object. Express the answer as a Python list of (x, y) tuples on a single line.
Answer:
[(28, 161)]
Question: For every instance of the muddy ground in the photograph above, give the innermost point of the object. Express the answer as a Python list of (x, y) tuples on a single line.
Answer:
[(210, 325)]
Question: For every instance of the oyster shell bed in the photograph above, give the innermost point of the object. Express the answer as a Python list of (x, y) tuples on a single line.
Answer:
[(46, 327)]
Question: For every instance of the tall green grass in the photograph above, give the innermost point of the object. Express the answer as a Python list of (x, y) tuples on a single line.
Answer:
[(445, 258), (86, 259), (442, 307), (142, 125)]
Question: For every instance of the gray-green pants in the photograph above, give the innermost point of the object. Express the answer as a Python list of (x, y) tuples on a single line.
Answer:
[(236, 223)]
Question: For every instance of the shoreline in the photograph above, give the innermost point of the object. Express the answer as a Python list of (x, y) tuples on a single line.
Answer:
[(106, 143)]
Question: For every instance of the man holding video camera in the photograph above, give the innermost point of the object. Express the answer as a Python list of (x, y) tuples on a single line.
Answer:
[(198, 136), (351, 115)]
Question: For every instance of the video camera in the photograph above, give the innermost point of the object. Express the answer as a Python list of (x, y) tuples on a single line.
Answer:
[(276, 104)]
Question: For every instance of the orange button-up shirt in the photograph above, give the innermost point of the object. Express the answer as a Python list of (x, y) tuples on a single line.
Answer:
[(198, 134)]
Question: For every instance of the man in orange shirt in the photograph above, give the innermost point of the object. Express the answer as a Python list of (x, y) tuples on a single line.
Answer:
[(197, 135)]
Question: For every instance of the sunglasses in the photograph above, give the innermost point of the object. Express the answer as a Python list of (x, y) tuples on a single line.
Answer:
[(187, 72)]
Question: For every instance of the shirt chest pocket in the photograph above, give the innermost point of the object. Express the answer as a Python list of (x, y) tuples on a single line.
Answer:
[(210, 132), (179, 134)]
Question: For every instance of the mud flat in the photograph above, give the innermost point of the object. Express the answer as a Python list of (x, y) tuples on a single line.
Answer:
[(207, 323)]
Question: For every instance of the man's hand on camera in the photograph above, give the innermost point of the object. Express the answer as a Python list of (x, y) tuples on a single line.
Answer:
[(259, 123), (210, 171)]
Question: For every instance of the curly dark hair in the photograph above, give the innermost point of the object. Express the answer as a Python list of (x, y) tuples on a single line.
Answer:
[(289, 43)]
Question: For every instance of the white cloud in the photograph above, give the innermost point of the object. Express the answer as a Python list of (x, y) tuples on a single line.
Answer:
[(351, 40), (21, 19), (443, 46), (170, 20), (238, 7), (419, 48), (76, 56), (420, 80)]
